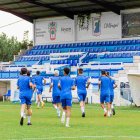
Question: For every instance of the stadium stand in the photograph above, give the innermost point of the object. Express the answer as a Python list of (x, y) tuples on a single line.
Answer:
[(109, 55)]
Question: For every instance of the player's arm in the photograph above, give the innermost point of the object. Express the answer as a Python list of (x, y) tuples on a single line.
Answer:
[(73, 87), (44, 81), (88, 83), (99, 85), (31, 85), (59, 84), (18, 84), (51, 85), (115, 86)]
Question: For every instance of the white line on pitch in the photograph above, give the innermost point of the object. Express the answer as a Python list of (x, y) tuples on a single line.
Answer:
[(79, 137)]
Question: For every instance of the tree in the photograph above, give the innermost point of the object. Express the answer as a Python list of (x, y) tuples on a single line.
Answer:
[(10, 47)]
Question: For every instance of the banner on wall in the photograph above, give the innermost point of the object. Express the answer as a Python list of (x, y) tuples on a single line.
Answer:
[(53, 30), (96, 26), (104, 26)]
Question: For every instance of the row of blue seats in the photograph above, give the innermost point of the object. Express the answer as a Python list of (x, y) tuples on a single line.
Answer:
[(121, 55), (70, 62), (44, 58), (88, 44), (90, 50)]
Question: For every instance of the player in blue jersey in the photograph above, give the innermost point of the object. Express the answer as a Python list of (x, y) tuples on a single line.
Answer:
[(104, 87), (56, 92), (112, 87), (66, 84), (24, 85), (82, 82), (39, 81)]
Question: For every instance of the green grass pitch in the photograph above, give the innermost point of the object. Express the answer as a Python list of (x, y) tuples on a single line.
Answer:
[(125, 125)]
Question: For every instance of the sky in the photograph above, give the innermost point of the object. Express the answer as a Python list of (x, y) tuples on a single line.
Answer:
[(17, 28)]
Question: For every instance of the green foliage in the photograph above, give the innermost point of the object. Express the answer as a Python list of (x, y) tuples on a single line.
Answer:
[(125, 125), (10, 47)]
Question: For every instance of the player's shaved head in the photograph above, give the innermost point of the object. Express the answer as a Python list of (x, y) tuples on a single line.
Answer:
[(56, 72)]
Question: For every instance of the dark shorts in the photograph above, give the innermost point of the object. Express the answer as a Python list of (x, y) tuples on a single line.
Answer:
[(25, 99), (39, 90), (111, 98), (66, 102), (82, 97), (56, 99), (104, 98)]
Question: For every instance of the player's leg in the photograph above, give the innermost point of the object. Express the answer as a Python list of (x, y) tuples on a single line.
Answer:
[(29, 114), (29, 111), (63, 101), (102, 105), (111, 104), (54, 102), (83, 105), (68, 111), (58, 105), (42, 103), (22, 111), (38, 100), (80, 97), (58, 109), (107, 100), (40, 94)]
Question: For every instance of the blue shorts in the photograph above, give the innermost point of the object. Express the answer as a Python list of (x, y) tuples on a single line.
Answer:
[(39, 90), (82, 97), (111, 98), (104, 98), (24, 99), (66, 102), (56, 99)]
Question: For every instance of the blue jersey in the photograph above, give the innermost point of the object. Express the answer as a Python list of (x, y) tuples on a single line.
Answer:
[(112, 82), (105, 85), (38, 80), (55, 90), (80, 82), (23, 84), (66, 84)]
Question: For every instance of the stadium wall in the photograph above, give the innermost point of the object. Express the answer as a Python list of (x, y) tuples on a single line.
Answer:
[(102, 26)]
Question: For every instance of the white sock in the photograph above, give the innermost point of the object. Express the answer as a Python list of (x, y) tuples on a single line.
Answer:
[(112, 106), (63, 117), (108, 113), (55, 107), (67, 121), (82, 109), (29, 119), (58, 112), (38, 104), (105, 110), (22, 114)]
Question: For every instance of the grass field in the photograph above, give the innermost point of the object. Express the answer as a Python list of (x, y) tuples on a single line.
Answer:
[(125, 125)]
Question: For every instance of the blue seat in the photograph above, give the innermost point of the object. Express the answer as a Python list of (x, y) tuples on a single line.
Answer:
[(128, 48), (7, 95)]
